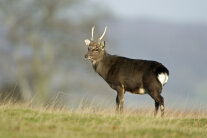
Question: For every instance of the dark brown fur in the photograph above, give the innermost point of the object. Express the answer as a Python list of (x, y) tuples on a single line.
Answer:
[(125, 74)]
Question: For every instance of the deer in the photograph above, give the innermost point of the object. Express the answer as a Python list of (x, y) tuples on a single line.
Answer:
[(123, 74)]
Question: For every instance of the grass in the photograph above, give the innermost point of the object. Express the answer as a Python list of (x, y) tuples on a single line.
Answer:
[(19, 121)]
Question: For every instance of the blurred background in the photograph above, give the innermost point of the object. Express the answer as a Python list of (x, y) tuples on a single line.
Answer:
[(42, 49)]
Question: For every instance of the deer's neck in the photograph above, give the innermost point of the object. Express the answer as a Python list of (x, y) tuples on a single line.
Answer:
[(102, 66)]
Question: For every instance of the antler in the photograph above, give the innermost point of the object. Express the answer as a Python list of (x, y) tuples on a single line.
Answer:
[(92, 33), (100, 38)]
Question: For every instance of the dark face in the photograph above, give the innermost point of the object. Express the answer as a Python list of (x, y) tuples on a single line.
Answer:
[(95, 51)]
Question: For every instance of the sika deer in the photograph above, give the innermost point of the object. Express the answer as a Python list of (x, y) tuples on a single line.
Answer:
[(124, 74)]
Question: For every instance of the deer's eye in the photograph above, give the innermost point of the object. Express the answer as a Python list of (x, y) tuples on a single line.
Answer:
[(95, 49)]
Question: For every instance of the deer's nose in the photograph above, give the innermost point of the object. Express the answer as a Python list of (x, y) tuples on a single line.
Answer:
[(86, 56)]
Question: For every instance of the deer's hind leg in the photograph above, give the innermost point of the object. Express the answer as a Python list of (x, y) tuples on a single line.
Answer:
[(159, 102), (154, 90), (156, 108)]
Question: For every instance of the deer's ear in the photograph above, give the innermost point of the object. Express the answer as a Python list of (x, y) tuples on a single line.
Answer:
[(87, 42)]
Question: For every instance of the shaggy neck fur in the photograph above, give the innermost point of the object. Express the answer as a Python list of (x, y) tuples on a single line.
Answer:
[(102, 66)]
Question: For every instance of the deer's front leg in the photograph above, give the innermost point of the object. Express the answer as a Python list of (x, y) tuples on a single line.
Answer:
[(120, 94), (117, 103)]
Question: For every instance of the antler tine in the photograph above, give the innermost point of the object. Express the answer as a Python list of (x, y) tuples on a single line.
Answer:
[(99, 40), (92, 33)]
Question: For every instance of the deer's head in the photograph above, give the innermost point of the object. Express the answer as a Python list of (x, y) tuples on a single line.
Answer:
[(95, 49)]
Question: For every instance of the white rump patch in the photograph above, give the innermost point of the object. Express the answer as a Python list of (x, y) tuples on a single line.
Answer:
[(163, 77), (87, 42)]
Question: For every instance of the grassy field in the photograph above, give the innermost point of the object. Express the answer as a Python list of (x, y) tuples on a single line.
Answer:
[(19, 121)]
